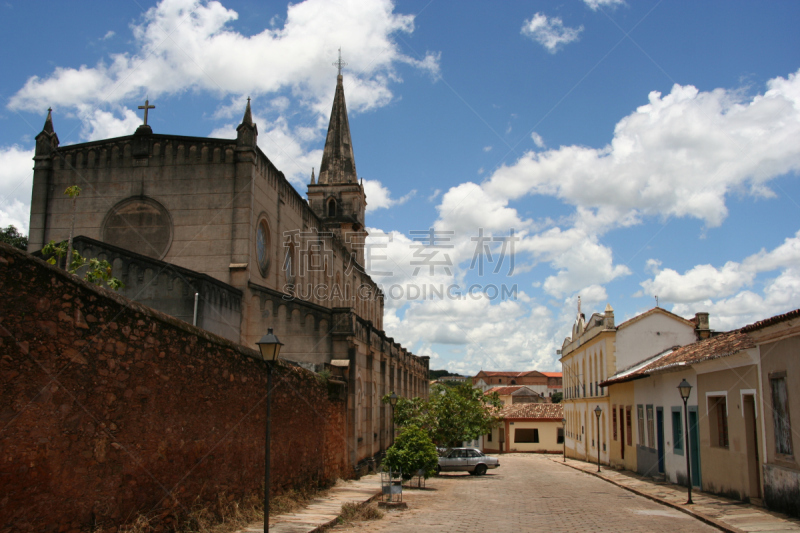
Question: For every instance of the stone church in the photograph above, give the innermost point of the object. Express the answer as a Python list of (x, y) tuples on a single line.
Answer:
[(211, 232)]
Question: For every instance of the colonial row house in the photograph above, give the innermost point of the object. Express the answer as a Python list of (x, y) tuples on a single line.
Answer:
[(517, 394), (597, 350), (741, 408), (527, 427), (544, 383)]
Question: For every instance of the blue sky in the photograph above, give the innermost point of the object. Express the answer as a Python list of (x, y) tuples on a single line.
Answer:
[(632, 148)]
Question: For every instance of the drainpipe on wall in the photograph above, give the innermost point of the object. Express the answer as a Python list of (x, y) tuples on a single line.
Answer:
[(196, 297)]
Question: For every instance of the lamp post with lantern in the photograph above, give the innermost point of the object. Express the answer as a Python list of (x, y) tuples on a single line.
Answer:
[(686, 389), (270, 348), (597, 413)]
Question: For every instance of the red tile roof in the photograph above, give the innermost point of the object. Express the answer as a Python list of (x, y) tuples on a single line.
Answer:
[(539, 411), (507, 374), (552, 374), (504, 391), (722, 345), (770, 321)]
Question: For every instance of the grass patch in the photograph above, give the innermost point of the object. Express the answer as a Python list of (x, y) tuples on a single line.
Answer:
[(225, 515), (354, 512)]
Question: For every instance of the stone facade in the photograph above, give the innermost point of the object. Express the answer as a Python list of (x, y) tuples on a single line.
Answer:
[(220, 208)]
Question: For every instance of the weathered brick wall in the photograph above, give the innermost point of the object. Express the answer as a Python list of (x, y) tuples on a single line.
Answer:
[(109, 409)]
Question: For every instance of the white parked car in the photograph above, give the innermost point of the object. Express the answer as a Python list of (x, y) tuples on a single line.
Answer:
[(467, 460)]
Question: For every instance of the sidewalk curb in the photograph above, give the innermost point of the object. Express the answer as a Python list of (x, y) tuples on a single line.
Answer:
[(700, 516), (324, 527)]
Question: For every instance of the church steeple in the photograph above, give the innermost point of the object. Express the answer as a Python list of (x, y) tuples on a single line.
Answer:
[(47, 140), (338, 162), (246, 132), (337, 197)]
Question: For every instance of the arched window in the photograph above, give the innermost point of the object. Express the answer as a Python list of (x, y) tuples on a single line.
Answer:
[(262, 246), (331, 207)]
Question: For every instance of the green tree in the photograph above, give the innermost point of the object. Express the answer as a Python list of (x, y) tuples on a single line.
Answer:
[(412, 451), (98, 271), (12, 236), (453, 414), (557, 397)]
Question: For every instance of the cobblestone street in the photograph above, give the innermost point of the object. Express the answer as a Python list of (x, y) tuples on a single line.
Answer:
[(527, 493)]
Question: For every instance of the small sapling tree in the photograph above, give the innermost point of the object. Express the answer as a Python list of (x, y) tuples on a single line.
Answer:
[(413, 451)]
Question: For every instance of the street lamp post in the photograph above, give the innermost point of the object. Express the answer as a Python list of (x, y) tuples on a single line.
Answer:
[(597, 413), (270, 348), (564, 437), (393, 401), (686, 389)]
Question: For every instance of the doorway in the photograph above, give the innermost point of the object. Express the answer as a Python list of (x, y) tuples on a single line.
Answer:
[(694, 446), (622, 431), (660, 438), (751, 432)]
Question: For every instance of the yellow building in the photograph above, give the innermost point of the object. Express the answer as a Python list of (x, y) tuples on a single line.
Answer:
[(527, 427), (587, 358)]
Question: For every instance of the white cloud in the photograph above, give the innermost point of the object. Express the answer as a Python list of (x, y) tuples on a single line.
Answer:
[(184, 44), (679, 155), (16, 180), (487, 148), (585, 263), (284, 146), (99, 124), (550, 32), (380, 197), (434, 195), (108, 35), (597, 4), (537, 140), (704, 282), (725, 291)]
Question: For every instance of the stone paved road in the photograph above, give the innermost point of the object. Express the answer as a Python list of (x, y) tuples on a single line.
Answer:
[(527, 493)]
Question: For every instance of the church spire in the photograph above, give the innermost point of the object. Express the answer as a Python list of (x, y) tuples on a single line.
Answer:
[(313, 181), (47, 140), (48, 123), (338, 162), (247, 120), (246, 132)]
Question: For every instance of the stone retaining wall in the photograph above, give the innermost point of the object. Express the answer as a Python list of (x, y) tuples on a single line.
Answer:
[(109, 409)]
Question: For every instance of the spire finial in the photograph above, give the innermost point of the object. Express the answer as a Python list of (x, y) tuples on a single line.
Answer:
[(339, 63), (248, 117), (313, 181), (48, 122)]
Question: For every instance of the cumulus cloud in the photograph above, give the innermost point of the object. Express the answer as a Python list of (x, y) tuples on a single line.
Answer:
[(679, 155), (594, 5), (491, 335), (16, 180), (550, 32), (726, 291), (537, 140), (780, 295), (380, 197), (100, 124), (184, 44)]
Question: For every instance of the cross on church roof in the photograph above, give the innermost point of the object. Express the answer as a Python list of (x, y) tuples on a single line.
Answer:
[(146, 106), (339, 63)]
